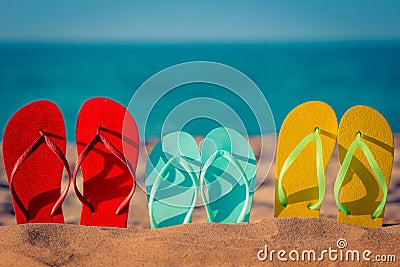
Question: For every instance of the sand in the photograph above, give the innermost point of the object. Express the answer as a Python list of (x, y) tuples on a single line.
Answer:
[(199, 243), (196, 244)]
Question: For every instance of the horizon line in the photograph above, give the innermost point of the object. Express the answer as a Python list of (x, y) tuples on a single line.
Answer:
[(196, 41)]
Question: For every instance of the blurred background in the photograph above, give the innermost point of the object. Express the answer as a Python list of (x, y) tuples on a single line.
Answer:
[(343, 52)]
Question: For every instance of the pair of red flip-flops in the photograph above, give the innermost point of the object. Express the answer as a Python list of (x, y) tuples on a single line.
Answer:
[(34, 148)]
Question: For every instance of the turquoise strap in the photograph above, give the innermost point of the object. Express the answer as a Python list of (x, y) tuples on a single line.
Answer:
[(359, 143), (320, 168), (161, 176), (227, 155)]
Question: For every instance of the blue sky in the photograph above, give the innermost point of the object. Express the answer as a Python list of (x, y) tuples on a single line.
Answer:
[(206, 20)]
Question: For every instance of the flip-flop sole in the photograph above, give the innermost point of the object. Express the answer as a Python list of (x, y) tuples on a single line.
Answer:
[(300, 181), (224, 182), (360, 191), (37, 182), (106, 180), (174, 196)]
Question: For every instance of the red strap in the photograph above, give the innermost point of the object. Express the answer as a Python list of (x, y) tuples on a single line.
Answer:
[(53, 147), (100, 138)]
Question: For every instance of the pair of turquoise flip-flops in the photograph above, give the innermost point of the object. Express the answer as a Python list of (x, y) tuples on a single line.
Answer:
[(176, 170)]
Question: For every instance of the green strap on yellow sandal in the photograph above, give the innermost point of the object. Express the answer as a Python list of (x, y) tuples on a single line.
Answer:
[(313, 137), (359, 143), (305, 144), (366, 151)]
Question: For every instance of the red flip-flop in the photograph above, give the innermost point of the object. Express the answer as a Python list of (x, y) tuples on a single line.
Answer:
[(34, 146), (107, 160)]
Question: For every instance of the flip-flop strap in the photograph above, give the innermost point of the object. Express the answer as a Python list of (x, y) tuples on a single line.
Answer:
[(320, 168), (359, 143), (99, 138), (43, 139), (227, 155), (161, 176)]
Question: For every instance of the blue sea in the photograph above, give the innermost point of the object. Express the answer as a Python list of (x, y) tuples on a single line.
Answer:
[(343, 74)]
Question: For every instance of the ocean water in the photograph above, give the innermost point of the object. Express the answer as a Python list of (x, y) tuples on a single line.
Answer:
[(343, 74)]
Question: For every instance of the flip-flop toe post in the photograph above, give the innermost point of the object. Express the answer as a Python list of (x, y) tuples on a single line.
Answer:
[(171, 180), (366, 151), (305, 145), (104, 131), (227, 177), (34, 146)]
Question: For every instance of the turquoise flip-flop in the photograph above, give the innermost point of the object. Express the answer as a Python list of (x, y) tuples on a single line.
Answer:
[(171, 179), (228, 174)]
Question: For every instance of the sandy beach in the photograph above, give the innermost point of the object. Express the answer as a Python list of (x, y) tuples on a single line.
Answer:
[(112, 78), (199, 243), (195, 245)]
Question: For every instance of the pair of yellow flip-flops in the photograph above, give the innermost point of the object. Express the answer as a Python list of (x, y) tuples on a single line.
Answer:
[(305, 145)]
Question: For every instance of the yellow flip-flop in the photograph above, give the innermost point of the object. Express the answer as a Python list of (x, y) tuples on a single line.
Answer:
[(366, 150), (305, 145)]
